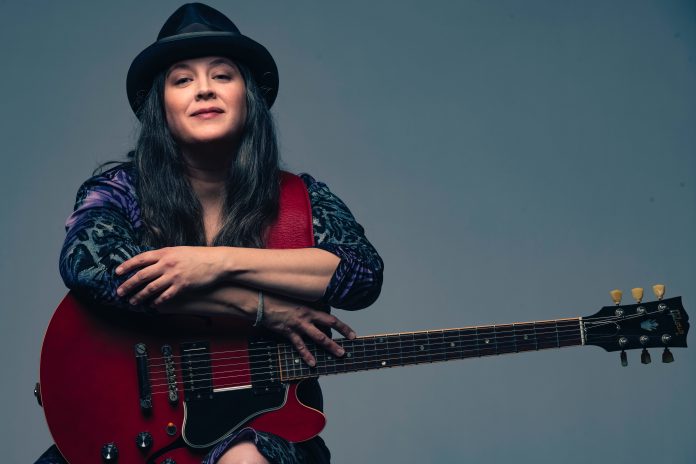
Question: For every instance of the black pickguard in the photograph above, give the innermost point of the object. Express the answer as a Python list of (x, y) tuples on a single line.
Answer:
[(209, 421)]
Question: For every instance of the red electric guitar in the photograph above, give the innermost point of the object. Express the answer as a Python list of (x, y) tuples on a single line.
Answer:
[(133, 388)]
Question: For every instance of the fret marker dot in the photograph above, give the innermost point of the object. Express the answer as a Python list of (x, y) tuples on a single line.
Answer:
[(422, 347), (349, 355), (381, 340), (297, 360), (526, 337), (487, 340), (452, 344), (384, 363)]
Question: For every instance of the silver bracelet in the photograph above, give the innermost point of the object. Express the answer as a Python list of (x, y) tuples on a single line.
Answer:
[(259, 310)]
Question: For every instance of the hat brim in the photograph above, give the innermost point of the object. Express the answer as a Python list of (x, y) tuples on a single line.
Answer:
[(165, 52)]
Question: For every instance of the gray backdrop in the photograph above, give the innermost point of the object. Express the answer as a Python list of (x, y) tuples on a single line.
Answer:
[(510, 160)]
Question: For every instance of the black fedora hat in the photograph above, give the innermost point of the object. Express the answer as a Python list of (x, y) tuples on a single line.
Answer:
[(195, 30)]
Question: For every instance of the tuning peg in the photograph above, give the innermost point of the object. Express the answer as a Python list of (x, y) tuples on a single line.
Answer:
[(659, 290), (645, 357), (667, 356), (624, 359), (637, 294), (616, 296)]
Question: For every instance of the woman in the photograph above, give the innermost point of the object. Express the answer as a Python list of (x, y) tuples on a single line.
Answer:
[(181, 227)]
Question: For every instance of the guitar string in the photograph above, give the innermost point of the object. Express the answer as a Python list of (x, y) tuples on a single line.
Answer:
[(444, 344), (324, 363), (499, 340), (542, 330), (247, 370), (590, 321), (444, 339), (363, 365)]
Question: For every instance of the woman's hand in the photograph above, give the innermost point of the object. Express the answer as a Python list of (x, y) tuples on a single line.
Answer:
[(163, 274), (296, 322)]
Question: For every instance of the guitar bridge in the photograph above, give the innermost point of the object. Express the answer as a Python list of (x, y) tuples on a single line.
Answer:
[(144, 387)]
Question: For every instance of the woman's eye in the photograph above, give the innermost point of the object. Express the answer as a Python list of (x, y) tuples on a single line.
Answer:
[(223, 76), (181, 80)]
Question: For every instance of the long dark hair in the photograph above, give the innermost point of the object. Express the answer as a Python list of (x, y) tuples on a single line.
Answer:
[(170, 210)]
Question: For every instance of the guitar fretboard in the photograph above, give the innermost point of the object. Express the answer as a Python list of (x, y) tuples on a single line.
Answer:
[(408, 348)]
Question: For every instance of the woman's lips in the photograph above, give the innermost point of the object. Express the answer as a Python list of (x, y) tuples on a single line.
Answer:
[(207, 115), (210, 109)]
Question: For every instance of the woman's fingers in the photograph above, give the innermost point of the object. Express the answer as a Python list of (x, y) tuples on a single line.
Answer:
[(302, 349), (151, 290), (143, 259), (335, 323), (322, 340), (138, 280), (299, 323)]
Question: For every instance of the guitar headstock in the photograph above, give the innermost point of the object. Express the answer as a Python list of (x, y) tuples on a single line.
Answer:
[(656, 324)]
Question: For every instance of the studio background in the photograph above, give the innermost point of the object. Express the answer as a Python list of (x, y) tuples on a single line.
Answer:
[(510, 160)]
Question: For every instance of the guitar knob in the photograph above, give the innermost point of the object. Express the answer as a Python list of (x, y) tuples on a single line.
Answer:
[(645, 357), (109, 453), (667, 356), (624, 359), (169, 461), (143, 440)]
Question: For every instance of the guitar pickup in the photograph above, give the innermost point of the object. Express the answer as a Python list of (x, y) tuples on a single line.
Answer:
[(265, 371), (144, 387), (196, 371)]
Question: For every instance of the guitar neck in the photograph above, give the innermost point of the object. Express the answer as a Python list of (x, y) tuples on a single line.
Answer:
[(408, 348)]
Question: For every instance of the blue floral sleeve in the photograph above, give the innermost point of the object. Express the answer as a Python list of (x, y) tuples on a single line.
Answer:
[(357, 281), (101, 234)]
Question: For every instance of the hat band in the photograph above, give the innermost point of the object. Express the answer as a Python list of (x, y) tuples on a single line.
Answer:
[(189, 35)]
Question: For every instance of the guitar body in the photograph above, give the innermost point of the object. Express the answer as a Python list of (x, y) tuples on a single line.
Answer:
[(98, 390)]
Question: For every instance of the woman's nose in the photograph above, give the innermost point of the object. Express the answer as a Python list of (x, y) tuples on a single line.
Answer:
[(205, 92)]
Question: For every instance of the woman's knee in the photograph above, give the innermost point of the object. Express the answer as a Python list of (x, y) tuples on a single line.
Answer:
[(243, 453)]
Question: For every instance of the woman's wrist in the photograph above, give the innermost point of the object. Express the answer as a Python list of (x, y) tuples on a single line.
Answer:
[(231, 263)]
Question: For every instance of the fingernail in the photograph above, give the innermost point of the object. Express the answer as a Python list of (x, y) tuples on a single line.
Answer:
[(341, 352), (133, 301), (352, 335), (119, 292), (312, 363), (118, 270)]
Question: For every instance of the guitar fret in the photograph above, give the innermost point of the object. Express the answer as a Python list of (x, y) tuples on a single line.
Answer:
[(469, 343), (570, 333), (393, 350), (421, 352), (505, 339), (341, 365), (525, 337), (547, 335), (437, 345), (408, 346), (284, 374), (451, 344), (360, 354), (487, 341)]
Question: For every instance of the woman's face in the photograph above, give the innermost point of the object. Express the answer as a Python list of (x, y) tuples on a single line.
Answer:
[(204, 100)]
